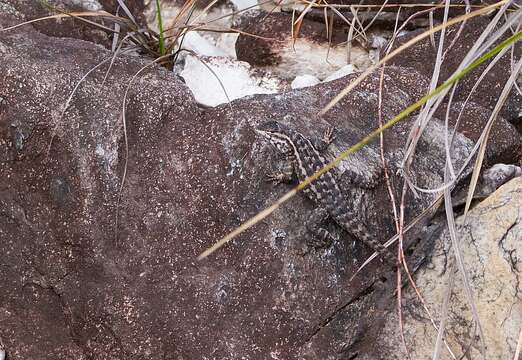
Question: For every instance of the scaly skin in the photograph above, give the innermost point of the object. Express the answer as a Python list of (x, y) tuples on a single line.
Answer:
[(324, 191)]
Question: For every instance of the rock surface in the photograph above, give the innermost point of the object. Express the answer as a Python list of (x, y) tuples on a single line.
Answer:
[(422, 55), (274, 49), (25, 10), (229, 80), (491, 245), (89, 274)]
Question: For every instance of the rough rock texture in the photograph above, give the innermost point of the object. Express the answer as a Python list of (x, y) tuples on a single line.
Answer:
[(84, 278), (491, 246), (136, 7), (228, 81), (421, 57), (70, 291), (25, 10), (409, 17), (473, 119), (310, 53)]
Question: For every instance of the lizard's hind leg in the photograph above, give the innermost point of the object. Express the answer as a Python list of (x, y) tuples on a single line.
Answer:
[(321, 237)]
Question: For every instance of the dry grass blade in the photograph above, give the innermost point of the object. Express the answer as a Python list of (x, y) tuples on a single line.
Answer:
[(356, 21), (396, 5), (499, 48), (388, 125), (519, 346), (398, 223), (449, 209), (68, 101), (69, 98), (459, 117), (293, 29), (127, 12), (205, 10), (126, 140), (348, 22), (403, 47), (186, 8), (480, 46), (124, 122), (425, 114), (72, 14), (93, 23), (116, 36), (485, 135), (227, 30), (297, 23), (450, 218), (459, 32), (349, 40), (212, 72), (428, 211), (432, 36), (444, 312), (116, 52), (231, 14), (381, 9), (260, 216), (303, 13)]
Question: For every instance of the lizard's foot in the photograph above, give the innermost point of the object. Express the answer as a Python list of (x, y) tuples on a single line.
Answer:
[(321, 144), (276, 178), (328, 136)]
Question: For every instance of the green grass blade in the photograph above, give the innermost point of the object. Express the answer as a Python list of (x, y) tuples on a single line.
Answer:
[(160, 27), (265, 213)]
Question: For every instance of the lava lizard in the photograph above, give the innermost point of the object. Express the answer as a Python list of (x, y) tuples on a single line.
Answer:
[(303, 159)]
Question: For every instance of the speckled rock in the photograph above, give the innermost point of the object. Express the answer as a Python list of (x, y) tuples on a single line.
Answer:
[(422, 55), (25, 10), (491, 248), (84, 278), (310, 53), (504, 144)]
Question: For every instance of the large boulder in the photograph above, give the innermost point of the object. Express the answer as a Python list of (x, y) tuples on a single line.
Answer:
[(94, 267), (491, 249)]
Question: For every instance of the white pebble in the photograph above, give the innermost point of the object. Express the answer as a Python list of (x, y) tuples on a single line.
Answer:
[(302, 81)]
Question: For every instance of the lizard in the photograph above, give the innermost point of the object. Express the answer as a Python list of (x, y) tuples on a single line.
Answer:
[(302, 159)]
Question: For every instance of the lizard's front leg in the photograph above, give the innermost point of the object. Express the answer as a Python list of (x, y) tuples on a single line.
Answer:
[(321, 144), (284, 172)]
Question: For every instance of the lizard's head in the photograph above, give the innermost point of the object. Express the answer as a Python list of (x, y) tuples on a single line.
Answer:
[(277, 134)]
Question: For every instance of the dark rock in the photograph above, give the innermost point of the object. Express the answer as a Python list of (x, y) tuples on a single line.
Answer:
[(504, 142), (273, 31), (25, 10), (274, 48), (84, 278), (67, 285), (412, 15), (136, 8), (198, 4), (422, 55)]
